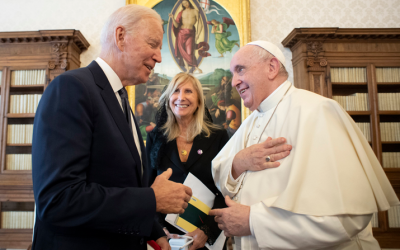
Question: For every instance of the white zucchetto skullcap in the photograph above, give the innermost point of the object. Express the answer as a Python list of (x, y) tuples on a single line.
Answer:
[(271, 48)]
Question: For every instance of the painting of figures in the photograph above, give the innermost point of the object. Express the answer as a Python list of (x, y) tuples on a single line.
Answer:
[(200, 37)]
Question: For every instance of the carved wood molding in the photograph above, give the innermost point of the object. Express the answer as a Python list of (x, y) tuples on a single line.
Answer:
[(45, 36), (314, 48), (316, 66), (59, 51), (315, 55), (324, 34)]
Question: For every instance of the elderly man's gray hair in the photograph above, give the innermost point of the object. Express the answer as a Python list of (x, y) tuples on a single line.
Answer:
[(129, 17)]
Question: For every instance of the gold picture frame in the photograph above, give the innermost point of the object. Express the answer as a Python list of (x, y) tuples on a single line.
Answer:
[(239, 11)]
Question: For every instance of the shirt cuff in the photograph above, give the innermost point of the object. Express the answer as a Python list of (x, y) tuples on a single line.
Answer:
[(233, 185)]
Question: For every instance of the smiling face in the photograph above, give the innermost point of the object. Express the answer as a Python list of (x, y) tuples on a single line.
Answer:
[(142, 51), (184, 101), (250, 77)]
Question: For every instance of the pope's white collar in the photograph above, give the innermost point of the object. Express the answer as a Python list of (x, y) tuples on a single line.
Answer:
[(272, 100)]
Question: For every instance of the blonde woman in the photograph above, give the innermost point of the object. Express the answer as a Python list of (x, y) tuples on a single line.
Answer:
[(186, 140)]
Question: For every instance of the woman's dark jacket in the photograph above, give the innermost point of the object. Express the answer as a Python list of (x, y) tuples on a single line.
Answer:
[(162, 155)]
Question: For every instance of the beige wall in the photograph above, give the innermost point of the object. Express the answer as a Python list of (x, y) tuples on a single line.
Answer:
[(88, 16), (273, 20), (270, 19)]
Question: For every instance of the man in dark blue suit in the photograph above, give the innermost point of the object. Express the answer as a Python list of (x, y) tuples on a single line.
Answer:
[(90, 176)]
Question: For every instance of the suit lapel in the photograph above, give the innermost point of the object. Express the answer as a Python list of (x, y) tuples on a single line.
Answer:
[(200, 142), (113, 106), (200, 146)]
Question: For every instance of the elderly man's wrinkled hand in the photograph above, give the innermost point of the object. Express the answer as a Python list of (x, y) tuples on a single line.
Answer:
[(171, 197), (254, 158), (233, 220)]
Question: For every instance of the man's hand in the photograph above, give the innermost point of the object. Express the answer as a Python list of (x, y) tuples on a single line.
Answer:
[(234, 219), (199, 239), (163, 243), (254, 157), (171, 197)]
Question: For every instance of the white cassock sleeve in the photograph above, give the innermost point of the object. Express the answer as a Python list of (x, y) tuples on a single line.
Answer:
[(275, 228), (232, 185)]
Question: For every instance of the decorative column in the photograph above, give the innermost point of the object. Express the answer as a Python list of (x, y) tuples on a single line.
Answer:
[(59, 63), (316, 67)]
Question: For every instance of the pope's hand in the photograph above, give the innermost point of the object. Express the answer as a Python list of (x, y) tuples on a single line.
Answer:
[(171, 197), (254, 157), (234, 219)]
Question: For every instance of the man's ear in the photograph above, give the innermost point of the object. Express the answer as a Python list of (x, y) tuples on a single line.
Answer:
[(120, 38), (273, 68)]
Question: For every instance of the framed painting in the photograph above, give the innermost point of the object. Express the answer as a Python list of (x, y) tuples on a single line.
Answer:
[(200, 37)]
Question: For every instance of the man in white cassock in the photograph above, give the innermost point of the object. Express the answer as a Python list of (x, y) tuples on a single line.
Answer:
[(323, 194)]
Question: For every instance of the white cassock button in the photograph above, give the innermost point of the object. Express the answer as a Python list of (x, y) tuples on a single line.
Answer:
[(258, 125), (261, 115), (255, 137)]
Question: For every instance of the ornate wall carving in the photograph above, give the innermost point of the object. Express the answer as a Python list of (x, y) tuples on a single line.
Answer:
[(315, 53), (60, 54)]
